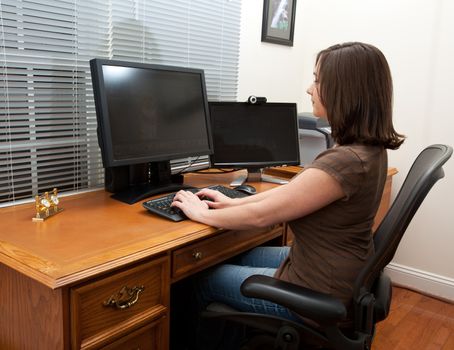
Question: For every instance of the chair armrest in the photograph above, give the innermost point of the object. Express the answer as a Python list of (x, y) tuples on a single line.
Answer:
[(383, 295), (320, 307)]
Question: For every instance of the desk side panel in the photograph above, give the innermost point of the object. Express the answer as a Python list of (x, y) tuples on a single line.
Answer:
[(31, 314)]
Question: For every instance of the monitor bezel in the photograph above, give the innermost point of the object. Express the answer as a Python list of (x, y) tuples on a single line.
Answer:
[(251, 165), (103, 119)]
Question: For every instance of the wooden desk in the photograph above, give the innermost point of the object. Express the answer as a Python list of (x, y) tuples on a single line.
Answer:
[(56, 275)]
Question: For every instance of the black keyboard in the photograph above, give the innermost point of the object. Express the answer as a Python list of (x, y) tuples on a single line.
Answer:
[(161, 205)]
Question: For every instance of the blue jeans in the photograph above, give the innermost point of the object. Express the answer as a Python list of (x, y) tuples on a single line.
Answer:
[(222, 283)]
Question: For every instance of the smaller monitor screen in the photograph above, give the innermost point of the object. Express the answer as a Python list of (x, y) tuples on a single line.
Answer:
[(254, 136)]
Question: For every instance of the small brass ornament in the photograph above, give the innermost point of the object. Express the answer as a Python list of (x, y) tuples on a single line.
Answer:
[(46, 205)]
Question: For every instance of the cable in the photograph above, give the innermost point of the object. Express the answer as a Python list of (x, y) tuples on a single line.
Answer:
[(219, 171), (188, 166)]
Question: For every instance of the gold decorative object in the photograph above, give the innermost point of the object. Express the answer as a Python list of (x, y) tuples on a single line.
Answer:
[(46, 205)]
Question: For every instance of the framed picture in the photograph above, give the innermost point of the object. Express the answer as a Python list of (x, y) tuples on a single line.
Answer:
[(278, 21)]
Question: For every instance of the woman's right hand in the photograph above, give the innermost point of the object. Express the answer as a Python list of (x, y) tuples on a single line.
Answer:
[(215, 199)]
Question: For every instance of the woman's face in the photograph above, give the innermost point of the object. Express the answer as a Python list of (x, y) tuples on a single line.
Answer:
[(318, 109)]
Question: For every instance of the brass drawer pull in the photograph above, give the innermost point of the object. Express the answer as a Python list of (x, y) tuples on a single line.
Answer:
[(125, 298), (197, 255)]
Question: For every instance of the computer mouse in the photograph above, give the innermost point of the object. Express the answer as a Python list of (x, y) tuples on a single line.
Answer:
[(246, 189)]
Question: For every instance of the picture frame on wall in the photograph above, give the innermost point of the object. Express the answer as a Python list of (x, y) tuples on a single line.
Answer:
[(278, 22)]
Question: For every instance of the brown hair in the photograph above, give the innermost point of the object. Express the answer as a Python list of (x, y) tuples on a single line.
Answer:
[(356, 90)]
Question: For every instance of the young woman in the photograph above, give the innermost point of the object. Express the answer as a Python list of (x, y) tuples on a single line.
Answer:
[(330, 206)]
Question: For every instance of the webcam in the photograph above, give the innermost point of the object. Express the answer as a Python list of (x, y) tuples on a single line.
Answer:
[(254, 100)]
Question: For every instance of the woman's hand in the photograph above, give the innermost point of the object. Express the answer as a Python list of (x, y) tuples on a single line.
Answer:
[(193, 205), (190, 204), (215, 199)]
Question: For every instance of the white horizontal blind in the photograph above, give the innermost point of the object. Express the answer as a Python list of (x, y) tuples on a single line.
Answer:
[(47, 115), (197, 34), (48, 124)]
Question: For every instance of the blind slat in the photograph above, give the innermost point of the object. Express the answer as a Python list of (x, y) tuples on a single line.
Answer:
[(48, 127)]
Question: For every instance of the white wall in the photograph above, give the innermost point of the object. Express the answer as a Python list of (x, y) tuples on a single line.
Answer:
[(416, 36)]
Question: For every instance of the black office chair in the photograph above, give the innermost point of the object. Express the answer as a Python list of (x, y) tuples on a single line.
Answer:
[(325, 323)]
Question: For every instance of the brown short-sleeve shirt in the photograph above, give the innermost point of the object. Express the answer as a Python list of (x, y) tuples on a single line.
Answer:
[(331, 244)]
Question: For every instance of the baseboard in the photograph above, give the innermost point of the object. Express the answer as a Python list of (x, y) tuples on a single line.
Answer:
[(421, 281)]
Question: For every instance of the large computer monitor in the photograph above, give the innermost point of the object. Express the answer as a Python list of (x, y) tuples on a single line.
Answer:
[(148, 115), (254, 136)]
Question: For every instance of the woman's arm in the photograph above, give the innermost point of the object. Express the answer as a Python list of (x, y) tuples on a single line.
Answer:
[(218, 200), (313, 189)]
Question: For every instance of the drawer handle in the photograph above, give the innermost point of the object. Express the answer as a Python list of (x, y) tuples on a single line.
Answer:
[(197, 255), (125, 298)]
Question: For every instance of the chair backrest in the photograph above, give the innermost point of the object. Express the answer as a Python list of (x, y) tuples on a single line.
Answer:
[(423, 174), (314, 136)]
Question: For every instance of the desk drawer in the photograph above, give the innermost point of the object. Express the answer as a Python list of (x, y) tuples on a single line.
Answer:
[(134, 297), (210, 251), (149, 337)]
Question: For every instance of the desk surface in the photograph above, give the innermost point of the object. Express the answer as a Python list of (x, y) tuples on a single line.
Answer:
[(53, 253), (290, 171)]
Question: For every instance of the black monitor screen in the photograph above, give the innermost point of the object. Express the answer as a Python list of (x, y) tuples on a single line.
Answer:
[(254, 135), (150, 112), (148, 115)]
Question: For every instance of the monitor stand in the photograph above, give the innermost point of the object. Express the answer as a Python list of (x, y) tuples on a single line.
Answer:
[(256, 175), (132, 183)]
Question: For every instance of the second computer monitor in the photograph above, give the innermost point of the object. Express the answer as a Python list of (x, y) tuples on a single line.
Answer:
[(254, 136)]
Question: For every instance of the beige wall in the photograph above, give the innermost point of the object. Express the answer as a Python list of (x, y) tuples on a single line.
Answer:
[(417, 38)]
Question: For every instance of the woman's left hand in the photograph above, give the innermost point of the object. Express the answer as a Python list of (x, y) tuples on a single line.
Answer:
[(190, 204)]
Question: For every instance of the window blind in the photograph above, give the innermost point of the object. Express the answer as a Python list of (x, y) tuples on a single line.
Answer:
[(47, 113)]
